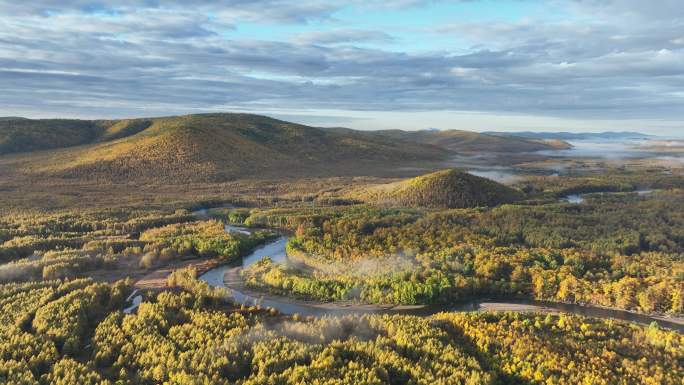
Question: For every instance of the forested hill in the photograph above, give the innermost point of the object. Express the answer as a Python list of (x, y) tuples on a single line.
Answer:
[(222, 146), (25, 135), (450, 188), (461, 141), (19, 135), (199, 147)]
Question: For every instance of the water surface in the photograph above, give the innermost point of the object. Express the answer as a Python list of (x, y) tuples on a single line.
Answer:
[(276, 250)]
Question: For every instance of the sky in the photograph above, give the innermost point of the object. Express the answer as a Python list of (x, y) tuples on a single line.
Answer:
[(507, 65)]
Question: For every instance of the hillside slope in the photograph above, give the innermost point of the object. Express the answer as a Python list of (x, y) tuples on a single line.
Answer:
[(468, 141), (218, 147), (449, 188), (18, 135), (24, 135), (460, 141)]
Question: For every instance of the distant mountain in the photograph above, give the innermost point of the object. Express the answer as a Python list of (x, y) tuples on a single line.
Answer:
[(198, 148), (220, 147), (449, 188), (574, 135), (4, 118), (459, 141)]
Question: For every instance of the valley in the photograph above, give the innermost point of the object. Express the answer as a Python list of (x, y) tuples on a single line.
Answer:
[(397, 192), (170, 250)]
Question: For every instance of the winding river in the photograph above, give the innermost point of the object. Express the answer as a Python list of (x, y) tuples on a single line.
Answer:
[(228, 277)]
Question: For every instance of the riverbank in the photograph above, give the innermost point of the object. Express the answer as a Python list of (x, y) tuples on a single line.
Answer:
[(229, 277), (156, 279), (233, 280)]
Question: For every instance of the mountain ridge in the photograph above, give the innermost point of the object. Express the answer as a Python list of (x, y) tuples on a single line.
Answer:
[(204, 147), (462, 141), (227, 146), (18, 134)]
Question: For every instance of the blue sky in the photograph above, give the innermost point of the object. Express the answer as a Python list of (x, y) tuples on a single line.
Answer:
[(411, 26), (578, 65)]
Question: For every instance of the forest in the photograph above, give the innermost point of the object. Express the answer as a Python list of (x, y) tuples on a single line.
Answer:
[(616, 250), (67, 278), (73, 332), (113, 244)]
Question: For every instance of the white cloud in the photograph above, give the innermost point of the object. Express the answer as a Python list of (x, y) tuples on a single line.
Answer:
[(130, 57)]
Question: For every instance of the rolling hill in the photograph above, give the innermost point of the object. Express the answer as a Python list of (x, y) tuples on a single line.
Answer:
[(449, 188), (460, 141), (23, 135), (205, 147), (224, 146), (19, 135), (466, 141)]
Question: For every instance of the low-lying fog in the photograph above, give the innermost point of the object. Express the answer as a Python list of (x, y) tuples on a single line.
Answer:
[(662, 152), (606, 149), (501, 176)]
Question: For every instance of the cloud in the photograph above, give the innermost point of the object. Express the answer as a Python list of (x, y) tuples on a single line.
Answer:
[(148, 57), (302, 11), (342, 36), (660, 9)]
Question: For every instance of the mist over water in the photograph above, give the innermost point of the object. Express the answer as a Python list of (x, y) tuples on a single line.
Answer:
[(670, 161), (574, 198), (486, 166), (501, 176), (614, 149), (610, 149), (494, 166)]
